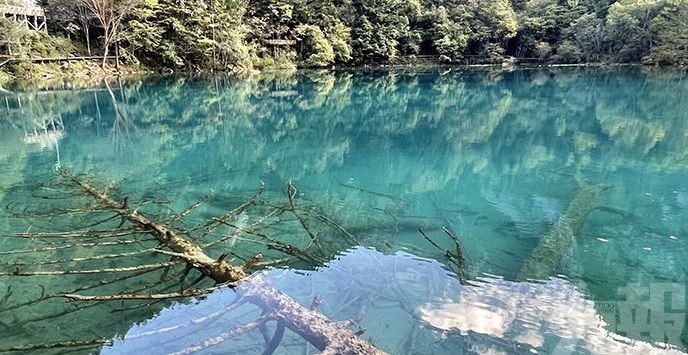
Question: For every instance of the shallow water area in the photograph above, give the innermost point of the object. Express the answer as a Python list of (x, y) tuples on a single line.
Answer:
[(565, 187)]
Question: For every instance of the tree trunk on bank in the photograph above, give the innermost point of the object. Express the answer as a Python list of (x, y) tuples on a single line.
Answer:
[(87, 33)]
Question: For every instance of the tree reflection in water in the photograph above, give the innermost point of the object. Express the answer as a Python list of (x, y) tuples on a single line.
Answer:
[(492, 155)]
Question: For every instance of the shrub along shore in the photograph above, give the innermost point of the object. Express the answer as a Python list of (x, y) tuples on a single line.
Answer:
[(240, 36)]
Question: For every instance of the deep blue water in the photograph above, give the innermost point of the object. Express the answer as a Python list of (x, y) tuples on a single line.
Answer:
[(566, 187)]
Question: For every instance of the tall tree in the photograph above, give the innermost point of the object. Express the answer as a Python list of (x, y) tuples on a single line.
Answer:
[(72, 13), (109, 15), (380, 28), (445, 30), (492, 23)]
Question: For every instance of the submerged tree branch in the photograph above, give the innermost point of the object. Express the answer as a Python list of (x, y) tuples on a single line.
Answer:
[(18, 272), (218, 271), (57, 345), (181, 246), (225, 336), (139, 297), (456, 258)]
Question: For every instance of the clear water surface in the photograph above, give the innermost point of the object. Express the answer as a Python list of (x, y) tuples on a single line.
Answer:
[(568, 189)]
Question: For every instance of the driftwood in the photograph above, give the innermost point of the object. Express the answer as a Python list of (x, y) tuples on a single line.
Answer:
[(328, 336)]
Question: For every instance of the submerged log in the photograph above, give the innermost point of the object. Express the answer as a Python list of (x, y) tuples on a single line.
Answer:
[(218, 270), (328, 336), (552, 248)]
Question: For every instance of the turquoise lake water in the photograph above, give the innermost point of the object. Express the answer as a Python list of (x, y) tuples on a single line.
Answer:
[(567, 188)]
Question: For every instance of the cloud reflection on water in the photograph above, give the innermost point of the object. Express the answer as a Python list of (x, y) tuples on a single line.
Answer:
[(412, 305)]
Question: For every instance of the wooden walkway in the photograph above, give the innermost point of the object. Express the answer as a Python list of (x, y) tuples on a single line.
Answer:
[(7, 59)]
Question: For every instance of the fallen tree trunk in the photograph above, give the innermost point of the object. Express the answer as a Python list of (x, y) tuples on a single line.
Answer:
[(218, 270), (552, 248), (326, 335)]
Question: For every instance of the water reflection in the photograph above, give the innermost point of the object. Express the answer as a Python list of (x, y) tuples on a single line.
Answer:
[(553, 316), (407, 305), (530, 117), (497, 157)]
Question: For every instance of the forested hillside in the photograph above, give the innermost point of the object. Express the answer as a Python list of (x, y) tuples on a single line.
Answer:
[(234, 34)]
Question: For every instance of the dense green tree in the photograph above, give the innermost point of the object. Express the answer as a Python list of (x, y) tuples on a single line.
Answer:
[(238, 34), (544, 25), (271, 19), (588, 35), (670, 34), (339, 36), (380, 27), (317, 50), (189, 33), (22, 42), (628, 25), (491, 20), (328, 18), (443, 30)]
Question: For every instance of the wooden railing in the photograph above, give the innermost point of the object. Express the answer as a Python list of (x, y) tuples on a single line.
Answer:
[(22, 10), (6, 59), (69, 59)]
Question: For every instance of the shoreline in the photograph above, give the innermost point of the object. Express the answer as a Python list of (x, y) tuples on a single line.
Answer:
[(46, 77)]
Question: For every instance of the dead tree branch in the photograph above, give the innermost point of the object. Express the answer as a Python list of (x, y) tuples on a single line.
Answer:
[(58, 345), (18, 272), (225, 336), (218, 271), (139, 297), (456, 258), (313, 326), (95, 234)]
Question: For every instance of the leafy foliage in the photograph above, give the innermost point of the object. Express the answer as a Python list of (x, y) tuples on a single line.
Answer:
[(187, 33), (628, 24), (670, 31), (240, 34), (318, 50), (23, 42)]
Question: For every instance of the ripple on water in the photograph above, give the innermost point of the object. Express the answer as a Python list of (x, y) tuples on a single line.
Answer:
[(387, 294)]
